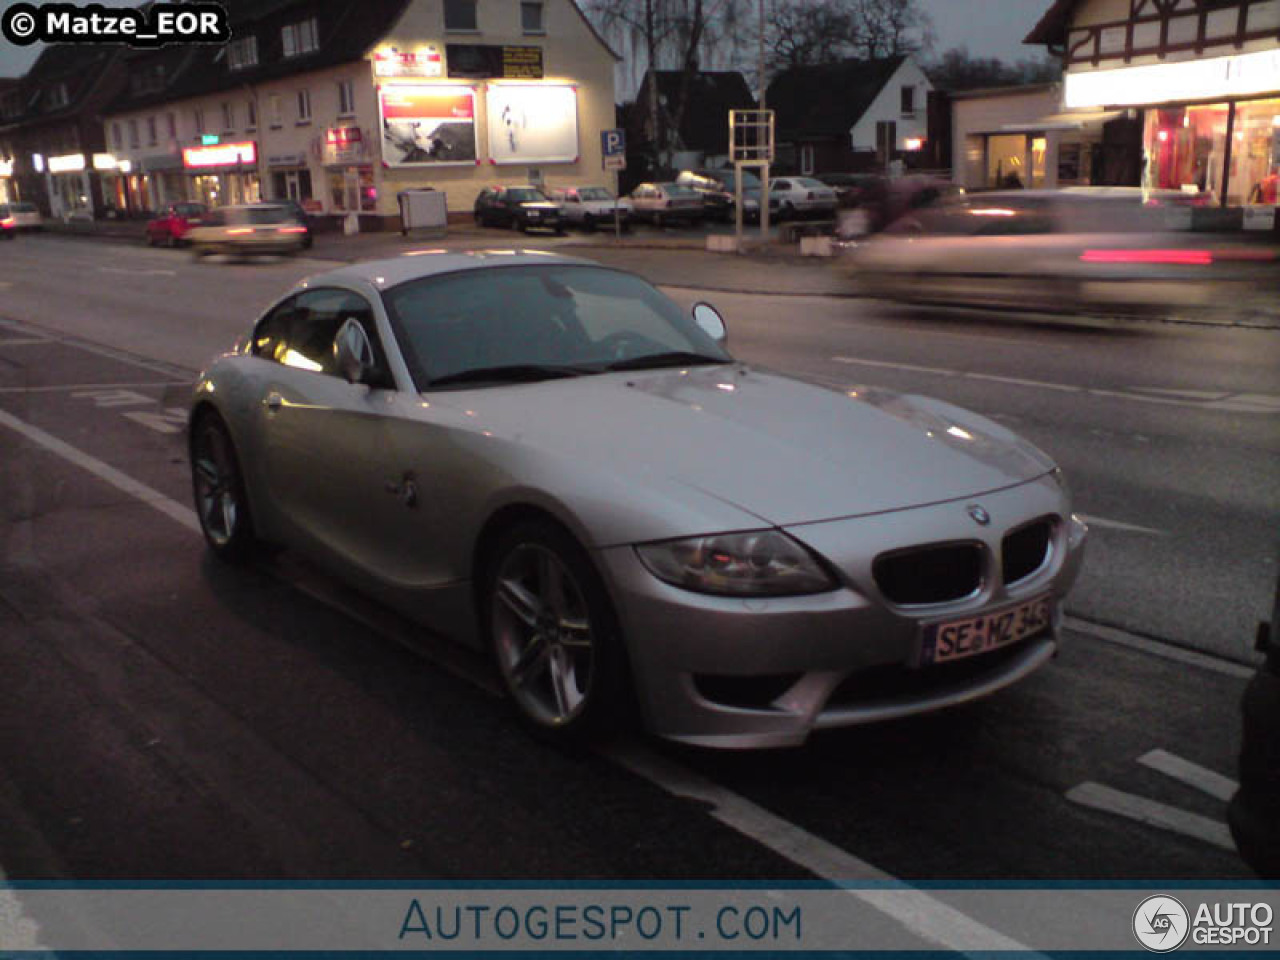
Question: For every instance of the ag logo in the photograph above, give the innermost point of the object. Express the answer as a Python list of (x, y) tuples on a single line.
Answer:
[(1161, 923)]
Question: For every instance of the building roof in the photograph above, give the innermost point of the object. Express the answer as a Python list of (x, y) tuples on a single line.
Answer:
[(1052, 27), (827, 100), (346, 32), (59, 82), (712, 94)]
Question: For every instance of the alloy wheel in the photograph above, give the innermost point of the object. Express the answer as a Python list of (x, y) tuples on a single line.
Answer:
[(217, 484)]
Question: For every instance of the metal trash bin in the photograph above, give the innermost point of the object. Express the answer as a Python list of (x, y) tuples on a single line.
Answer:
[(423, 207)]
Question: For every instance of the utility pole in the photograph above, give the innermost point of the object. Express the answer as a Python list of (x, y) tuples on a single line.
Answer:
[(764, 187)]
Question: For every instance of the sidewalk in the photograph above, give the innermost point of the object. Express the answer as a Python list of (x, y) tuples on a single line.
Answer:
[(670, 258)]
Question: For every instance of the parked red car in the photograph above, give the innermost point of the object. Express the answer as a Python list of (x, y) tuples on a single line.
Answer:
[(173, 223)]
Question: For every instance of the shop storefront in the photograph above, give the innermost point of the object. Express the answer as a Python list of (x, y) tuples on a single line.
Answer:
[(290, 177), (70, 194), (348, 171), (1211, 126), (7, 192), (224, 173)]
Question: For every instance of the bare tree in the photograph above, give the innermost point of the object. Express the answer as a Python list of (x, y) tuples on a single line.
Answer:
[(806, 32), (956, 69)]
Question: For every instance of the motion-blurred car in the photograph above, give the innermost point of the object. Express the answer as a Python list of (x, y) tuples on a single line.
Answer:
[(590, 207), (717, 189), (802, 196), (8, 226), (299, 213), (548, 458), (848, 186), (1253, 811), (666, 203), (173, 223), (521, 208), (247, 230), (26, 216), (1051, 251)]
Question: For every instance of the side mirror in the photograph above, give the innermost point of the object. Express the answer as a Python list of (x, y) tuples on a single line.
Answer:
[(708, 318), (352, 352)]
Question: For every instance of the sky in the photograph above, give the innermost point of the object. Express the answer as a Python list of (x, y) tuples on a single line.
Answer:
[(989, 28)]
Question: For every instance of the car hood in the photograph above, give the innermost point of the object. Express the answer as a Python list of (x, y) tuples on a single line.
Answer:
[(785, 451)]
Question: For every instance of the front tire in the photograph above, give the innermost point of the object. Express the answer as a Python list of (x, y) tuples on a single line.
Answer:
[(553, 634), (218, 489)]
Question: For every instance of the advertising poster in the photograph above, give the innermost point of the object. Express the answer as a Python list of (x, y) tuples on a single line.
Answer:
[(533, 124), (427, 126)]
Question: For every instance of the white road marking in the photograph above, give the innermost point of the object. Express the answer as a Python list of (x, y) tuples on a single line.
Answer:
[(919, 913), (64, 387), (18, 932), (122, 482), (1205, 780), (25, 342), (1153, 813), (142, 273), (1166, 651), (1218, 401), (1120, 525)]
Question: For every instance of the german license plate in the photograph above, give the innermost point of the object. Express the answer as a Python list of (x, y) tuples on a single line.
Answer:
[(956, 639)]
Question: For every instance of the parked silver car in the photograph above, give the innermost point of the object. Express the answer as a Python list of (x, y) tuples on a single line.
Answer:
[(591, 207), (547, 457), (797, 196)]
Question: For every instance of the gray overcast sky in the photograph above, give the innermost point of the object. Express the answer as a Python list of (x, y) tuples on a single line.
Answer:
[(989, 28)]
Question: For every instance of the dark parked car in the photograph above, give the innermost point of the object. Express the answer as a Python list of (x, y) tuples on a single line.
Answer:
[(300, 214), (717, 189), (170, 226), (1254, 812), (522, 208)]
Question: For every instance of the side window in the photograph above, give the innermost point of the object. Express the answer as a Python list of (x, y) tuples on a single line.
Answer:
[(315, 323), (782, 184), (271, 336)]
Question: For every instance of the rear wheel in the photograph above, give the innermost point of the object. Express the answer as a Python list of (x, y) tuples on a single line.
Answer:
[(218, 488), (553, 633)]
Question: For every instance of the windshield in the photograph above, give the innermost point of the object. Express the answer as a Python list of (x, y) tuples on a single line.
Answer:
[(269, 215), (525, 195), (678, 190), (23, 207), (594, 193), (188, 209), (549, 320)]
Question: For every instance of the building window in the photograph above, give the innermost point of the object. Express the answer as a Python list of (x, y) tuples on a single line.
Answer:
[(886, 140), (133, 133), (251, 115), (228, 117), (300, 38), (275, 116), (116, 140), (346, 98), (806, 159), (304, 106), (172, 123), (531, 16), (460, 15), (908, 101), (242, 53), (199, 117), (151, 131)]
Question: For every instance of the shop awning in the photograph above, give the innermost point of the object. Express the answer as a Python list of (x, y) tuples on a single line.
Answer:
[(1076, 120)]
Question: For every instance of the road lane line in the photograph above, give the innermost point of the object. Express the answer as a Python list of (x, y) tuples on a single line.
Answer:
[(919, 913), (24, 342), (122, 482), (1192, 774), (1222, 402), (1153, 813), (1166, 651), (1120, 525), (62, 388)]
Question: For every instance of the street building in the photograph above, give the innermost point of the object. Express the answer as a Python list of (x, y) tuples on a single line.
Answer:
[(851, 115), (340, 106), (1203, 77), (52, 151)]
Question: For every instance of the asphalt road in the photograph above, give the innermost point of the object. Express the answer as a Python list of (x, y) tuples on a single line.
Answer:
[(162, 716)]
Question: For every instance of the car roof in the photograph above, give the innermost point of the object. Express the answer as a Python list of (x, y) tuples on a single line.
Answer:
[(418, 264)]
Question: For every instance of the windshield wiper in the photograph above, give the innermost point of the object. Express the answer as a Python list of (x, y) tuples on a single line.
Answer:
[(512, 373), (675, 358)]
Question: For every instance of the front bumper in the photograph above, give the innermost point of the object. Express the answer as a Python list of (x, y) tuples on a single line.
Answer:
[(845, 657)]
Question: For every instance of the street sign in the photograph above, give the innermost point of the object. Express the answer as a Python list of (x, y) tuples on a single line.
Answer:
[(613, 149)]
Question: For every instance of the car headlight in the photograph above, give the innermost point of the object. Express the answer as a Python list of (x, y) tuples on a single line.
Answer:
[(760, 563)]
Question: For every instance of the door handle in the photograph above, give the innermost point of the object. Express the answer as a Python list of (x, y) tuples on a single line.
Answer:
[(274, 402)]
